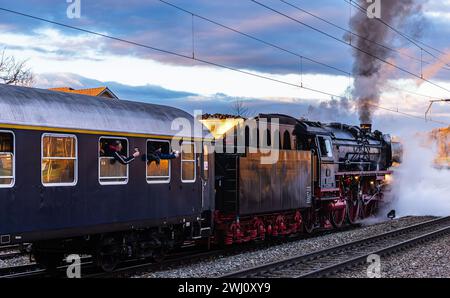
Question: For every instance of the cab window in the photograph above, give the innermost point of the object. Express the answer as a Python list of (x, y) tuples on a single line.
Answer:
[(326, 150), (7, 165)]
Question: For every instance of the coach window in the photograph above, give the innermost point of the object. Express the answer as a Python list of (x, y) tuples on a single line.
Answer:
[(188, 162), (110, 170), (326, 149), (59, 160), (6, 159), (158, 169)]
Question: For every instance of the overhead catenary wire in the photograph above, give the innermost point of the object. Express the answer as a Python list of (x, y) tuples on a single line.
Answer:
[(279, 47), (196, 59), (405, 36), (351, 33), (273, 45), (351, 45), (411, 92), (164, 51)]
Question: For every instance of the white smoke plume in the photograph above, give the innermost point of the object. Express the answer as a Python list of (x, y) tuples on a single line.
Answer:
[(419, 187)]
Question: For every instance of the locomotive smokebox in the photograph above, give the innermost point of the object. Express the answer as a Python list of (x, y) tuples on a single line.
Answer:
[(366, 127)]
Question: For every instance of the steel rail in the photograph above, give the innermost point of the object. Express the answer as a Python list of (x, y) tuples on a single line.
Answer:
[(134, 267), (316, 264), (11, 255), (188, 258)]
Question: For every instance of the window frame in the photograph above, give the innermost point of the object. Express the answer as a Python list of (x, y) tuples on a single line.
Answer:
[(13, 183), (325, 138), (99, 167), (205, 155), (168, 178), (188, 160), (75, 166)]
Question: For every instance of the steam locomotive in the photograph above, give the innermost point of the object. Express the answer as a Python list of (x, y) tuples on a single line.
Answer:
[(62, 192)]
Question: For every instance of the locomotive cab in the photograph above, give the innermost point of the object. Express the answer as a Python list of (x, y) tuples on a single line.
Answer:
[(327, 164)]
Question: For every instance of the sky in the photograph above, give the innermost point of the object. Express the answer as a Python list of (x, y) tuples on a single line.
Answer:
[(62, 56)]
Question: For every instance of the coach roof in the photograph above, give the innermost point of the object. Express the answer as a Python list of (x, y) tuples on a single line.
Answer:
[(46, 108)]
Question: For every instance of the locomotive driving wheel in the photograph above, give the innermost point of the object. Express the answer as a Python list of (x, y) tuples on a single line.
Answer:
[(353, 207), (371, 208), (337, 216), (308, 222)]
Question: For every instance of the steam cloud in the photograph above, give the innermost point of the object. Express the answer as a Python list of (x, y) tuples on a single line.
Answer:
[(368, 71), (334, 110), (419, 188)]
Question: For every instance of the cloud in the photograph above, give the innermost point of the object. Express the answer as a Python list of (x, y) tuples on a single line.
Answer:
[(332, 110), (143, 74), (147, 93), (156, 24)]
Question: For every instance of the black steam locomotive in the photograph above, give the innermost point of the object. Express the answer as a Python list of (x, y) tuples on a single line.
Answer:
[(61, 190)]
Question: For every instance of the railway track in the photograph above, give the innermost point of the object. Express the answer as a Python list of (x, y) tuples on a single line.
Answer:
[(131, 268), (34, 270), (10, 252), (189, 258), (11, 255), (332, 260), (23, 271)]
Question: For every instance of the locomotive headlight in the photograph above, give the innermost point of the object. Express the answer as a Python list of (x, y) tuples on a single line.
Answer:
[(388, 178)]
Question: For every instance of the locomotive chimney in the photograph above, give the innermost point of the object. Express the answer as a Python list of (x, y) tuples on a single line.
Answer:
[(366, 127)]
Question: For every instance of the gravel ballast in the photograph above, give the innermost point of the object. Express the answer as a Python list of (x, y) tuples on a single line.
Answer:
[(429, 260), (227, 264), (19, 261)]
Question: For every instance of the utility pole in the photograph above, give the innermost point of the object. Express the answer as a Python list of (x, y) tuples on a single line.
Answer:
[(431, 104)]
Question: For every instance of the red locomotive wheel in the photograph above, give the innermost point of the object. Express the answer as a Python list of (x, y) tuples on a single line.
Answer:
[(337, 217), (371, 208), (353, 210), (308, 222)]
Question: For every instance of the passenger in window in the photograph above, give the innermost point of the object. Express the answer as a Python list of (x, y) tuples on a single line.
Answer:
[(116, 150), (101, 148), (157, 154)]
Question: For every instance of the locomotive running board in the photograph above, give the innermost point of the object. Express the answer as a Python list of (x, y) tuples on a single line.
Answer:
[(358, 173)]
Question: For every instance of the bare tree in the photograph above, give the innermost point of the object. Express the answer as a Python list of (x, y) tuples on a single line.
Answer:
[(13, 72), (240, 109)]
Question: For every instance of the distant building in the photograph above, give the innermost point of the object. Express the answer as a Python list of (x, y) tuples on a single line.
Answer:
[(100, 91), (219, 124), (442, 137)]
